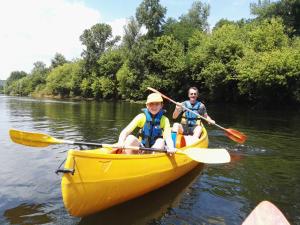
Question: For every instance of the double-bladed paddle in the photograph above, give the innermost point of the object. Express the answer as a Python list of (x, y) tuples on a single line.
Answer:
[(231, 133), (203, 155)]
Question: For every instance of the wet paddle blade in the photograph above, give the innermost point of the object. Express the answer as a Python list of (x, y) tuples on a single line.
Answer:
[(208, 155), (236, 135), (32, 139)]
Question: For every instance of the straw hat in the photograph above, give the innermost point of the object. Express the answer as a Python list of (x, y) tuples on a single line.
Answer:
[(154, 97)]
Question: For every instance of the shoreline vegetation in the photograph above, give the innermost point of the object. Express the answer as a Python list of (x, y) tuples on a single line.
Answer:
[(81, 98), (250, 61)]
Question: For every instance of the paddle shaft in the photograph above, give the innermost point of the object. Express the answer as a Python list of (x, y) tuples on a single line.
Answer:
[(114, 146), (110, 145)]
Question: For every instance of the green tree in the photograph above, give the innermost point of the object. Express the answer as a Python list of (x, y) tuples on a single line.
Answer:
[(103, 87), (58, 60), (59, 80), (85, 87), (167, 64), (139, 63), (131, 33), (167, 57), (65, 80), (212, 60), (180, 30), (15, 75), (77, 75), (197, 16), (263, 8), (2, 83), (97, 39), (37, 78), (265, 35), (151, 14), (109, 64), (270, 77), (195, 19), (240, 23), (39, 67), (288, 10), (127, 81), (21, 87), (222, 22)]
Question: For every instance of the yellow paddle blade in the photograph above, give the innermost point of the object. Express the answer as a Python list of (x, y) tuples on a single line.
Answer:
[(32, 139), (208, 155)]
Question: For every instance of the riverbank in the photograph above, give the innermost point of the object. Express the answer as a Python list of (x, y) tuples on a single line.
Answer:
[(258, 105), (80, 98)]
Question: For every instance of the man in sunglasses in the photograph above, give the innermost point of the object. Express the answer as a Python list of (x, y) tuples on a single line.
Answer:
[(190, 123)]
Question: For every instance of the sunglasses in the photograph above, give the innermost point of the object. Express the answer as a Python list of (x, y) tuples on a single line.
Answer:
[(193, 93)]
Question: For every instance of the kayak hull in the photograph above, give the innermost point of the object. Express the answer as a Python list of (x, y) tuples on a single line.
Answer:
[(102, 180)]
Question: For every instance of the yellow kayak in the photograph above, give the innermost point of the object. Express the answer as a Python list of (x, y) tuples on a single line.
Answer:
[(101, 180)]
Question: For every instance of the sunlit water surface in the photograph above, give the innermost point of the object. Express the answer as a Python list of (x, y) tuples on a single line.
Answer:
[(265, 168)]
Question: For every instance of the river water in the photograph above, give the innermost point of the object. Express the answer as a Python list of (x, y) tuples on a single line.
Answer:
[(266, 167)]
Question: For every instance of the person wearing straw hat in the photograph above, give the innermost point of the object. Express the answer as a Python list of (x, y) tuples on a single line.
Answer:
[(190, 123), (155, 131)]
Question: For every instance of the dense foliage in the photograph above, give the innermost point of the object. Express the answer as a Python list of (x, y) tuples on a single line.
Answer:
[(253, 61), (2, 83), (287, 10)]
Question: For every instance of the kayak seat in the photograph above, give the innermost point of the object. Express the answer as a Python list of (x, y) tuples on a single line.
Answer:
[(190, 140), (178, 140)]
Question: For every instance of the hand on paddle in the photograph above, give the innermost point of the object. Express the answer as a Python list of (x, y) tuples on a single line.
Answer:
[(178, 106), (210, 120), (118, 147), (171, 150)]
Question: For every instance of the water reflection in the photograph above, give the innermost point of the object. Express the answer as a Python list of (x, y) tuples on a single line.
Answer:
[(27, 214), (74, 119)]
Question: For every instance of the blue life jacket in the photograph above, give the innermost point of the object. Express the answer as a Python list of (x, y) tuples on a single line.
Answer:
[(151, 130), (191, 118)]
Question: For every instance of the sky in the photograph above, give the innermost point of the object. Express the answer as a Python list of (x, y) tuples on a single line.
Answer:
[(34, 30)]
